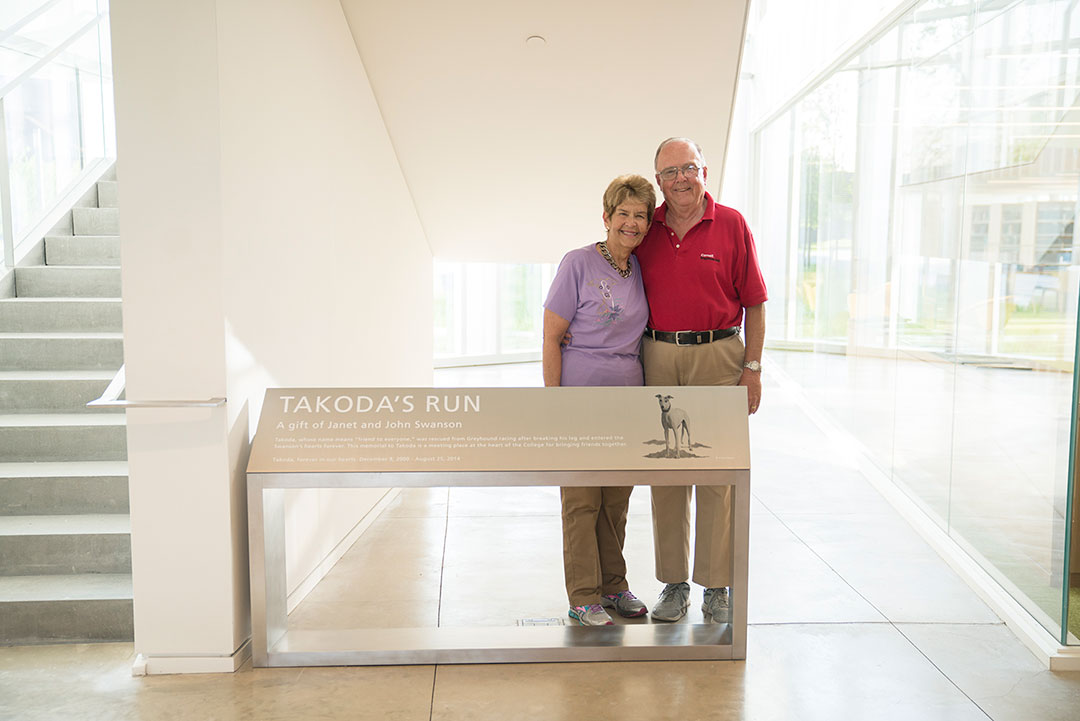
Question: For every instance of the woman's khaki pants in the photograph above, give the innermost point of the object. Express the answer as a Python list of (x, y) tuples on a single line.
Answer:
[(594, 529)]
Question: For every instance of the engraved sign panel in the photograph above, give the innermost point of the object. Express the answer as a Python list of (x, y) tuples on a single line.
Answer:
[(510, 429)]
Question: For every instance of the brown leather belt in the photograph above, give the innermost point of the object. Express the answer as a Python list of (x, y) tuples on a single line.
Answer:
[(691, 337)]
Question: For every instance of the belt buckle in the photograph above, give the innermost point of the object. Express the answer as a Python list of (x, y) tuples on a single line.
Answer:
[(684, 344)]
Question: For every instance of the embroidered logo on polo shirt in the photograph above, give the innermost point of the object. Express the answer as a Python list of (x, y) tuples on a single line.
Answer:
[(710, 256)]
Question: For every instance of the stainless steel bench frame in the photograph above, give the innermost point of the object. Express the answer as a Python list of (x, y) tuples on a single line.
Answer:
[(274, 645)]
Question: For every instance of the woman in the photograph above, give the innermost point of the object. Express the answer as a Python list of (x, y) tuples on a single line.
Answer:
[(598, 297)]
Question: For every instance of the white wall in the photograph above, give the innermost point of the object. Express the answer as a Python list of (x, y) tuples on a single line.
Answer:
[(326, 262), (268, 239)]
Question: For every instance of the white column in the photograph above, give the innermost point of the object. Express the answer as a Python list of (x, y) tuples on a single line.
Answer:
[(189, 597), (269, 238)]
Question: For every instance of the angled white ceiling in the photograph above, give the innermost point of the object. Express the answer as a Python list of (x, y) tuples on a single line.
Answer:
[(507, 146)]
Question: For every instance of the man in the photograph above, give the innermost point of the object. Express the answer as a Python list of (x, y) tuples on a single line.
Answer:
[(700, 270)]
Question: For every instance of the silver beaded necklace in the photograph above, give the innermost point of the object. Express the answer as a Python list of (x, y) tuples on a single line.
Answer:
[(602, 245)]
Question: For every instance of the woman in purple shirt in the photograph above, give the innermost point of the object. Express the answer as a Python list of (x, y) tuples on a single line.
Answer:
[(598, 302)]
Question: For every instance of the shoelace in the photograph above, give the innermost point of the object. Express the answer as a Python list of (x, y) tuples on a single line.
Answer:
[(621, 595), (674, 589)]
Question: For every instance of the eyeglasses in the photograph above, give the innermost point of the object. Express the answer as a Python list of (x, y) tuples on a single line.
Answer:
[(689, 170)]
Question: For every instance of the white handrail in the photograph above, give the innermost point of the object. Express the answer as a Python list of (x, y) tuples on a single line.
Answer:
[(27, 19), (110, 398), (47, 58), (7, 226)]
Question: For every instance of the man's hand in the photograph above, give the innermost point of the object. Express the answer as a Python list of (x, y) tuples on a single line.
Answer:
[(752, 381)]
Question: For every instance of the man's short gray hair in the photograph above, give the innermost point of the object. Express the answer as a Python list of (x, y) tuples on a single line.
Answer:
[(660, 147)]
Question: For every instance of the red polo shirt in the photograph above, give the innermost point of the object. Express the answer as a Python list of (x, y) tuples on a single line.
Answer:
[(702, 281)]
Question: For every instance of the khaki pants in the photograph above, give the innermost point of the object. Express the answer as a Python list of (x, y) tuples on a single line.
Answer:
[(714, 364), (594, 529)]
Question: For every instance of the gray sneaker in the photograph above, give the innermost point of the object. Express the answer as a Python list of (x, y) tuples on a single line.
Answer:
[(591, 615), (625, 604), (673, 602), (717, 603)]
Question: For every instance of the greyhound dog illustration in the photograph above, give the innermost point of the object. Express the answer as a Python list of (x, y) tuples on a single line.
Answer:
[(673, 419)]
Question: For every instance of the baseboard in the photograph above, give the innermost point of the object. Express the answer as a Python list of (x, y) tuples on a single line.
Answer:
[(319, 572), (1019, 620), (486, 360), (1065, 658), (164, 665)]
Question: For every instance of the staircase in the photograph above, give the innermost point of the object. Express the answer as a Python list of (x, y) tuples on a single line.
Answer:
[(65, 552)]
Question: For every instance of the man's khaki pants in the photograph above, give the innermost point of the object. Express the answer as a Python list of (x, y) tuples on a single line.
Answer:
[(594, 530), (713, 364)]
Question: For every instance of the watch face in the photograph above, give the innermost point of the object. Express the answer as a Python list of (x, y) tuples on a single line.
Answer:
[(752, 365)]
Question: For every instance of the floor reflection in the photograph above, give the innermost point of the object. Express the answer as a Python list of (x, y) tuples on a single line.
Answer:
[(467, 557), (983, 449)]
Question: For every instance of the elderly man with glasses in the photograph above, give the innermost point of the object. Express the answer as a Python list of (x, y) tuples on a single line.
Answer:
[(702, 279)]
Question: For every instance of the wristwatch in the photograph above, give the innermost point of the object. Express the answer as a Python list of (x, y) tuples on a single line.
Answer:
[(752, 366)]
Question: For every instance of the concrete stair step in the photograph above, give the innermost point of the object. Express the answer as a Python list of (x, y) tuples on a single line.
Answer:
[(65, 544), (62, 488), (63, 437), (61, 351), (67, 281), (65, 533), (59, 315), (53, 391), (26, 623), (71, 587), (82, 250), (95, 221), (108, 193), (66, 609)]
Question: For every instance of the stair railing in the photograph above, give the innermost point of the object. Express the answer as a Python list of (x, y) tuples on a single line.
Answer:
[(111, 398)]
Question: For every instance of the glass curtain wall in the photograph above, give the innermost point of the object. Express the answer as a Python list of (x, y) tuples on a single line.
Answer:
[(917, 207), (489, 312), (57, 104)]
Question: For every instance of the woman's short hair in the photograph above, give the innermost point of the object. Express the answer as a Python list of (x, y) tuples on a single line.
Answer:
[(633, 188)]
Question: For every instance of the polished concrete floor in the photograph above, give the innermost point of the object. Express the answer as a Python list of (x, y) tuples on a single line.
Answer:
[(982, 448), (852, 616)]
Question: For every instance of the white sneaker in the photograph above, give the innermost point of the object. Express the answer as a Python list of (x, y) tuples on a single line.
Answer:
[(673, 602), (717, 603), (625, 604), (591, 615)]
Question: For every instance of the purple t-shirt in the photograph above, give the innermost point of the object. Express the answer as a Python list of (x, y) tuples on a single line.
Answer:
[(607, 315)]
